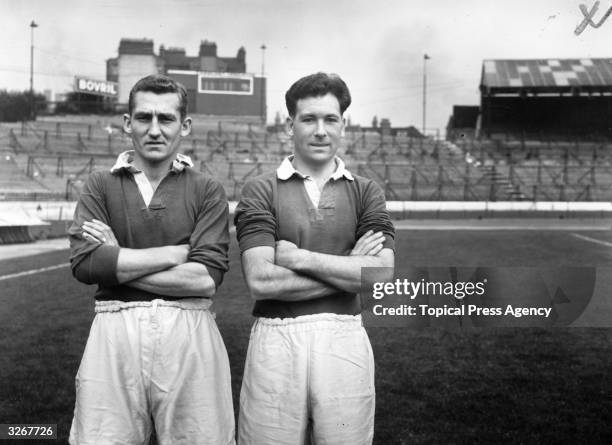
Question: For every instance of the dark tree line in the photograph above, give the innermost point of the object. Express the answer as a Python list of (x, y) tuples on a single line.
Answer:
[(16, 106)]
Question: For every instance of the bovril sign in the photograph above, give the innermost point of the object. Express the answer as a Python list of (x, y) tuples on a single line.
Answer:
[(97, 87)]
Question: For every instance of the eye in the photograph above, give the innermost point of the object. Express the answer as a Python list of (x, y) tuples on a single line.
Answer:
[(166, 118)]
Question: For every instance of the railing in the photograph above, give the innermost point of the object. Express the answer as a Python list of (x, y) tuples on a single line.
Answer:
[(85, 164), (32, 139), (415, 182), (408, 168)]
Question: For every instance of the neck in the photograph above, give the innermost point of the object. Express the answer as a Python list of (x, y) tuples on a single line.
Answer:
[(317, 171), (153, 171)]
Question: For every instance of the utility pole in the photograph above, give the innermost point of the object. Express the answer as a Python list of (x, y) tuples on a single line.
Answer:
[(32, 111), (263, 84), (425, 59)]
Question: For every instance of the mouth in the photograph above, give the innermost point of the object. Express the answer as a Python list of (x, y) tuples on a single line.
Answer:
[(319, 145)]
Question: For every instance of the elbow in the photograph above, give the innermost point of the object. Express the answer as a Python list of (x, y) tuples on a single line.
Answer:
[(260, 289), (196, 289), (384, 270), (195, 280), (81, 274), (96, 267), (256, 291), (387, 273), (209, 291), (205, 287)]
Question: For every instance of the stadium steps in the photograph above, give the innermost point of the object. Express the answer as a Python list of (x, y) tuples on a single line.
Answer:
[(109, 144), (408, 168), (14, 182), (451, 149), (503, 183)]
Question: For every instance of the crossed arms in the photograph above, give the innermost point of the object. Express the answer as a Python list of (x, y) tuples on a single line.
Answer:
[(292, 274), (280, 270), (162, 270), (193, 269)]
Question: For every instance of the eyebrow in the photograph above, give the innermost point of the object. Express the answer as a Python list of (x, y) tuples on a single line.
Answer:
[(315, 115), (149, 115)]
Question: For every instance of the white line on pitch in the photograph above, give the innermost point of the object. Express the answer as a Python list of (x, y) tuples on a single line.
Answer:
[(32, 271), (592, 240), (515, 227)]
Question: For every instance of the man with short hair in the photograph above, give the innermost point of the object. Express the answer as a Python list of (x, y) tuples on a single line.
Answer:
[(152, 233), (305, 233)]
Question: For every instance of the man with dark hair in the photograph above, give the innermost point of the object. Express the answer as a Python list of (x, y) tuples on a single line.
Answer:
[(305, 233), (159, 85), (318, 84), (152, 233)]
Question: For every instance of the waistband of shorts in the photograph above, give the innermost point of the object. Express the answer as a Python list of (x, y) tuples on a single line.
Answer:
[(190, 304), (313, 321)]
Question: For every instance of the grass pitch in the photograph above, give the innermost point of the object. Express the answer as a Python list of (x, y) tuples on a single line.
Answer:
[(505, 385)]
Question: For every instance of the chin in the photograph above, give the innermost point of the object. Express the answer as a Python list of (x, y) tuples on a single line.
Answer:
[(156, 158), (320, 160)]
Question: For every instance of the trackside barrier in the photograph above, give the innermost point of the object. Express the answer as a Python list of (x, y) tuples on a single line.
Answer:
[(35, 212), (19, 226), (16, 234), (459, 209), (64, 210), (489, 209), (25, 221)]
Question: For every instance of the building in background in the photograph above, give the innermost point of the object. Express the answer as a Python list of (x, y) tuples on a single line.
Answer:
[(218, 86), (223, 94), (549, 98), (136, 59), (463, 122)]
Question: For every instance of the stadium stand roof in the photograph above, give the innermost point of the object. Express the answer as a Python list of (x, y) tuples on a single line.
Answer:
[(541, 76)]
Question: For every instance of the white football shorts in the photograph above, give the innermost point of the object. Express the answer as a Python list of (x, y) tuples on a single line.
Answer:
[(159, 364), (308, 379)]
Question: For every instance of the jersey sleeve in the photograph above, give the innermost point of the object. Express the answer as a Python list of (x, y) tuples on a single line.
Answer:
[(92, 262), (374, 215), (210, 239), (254, 217)]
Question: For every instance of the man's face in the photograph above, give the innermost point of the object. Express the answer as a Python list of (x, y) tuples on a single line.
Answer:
[(156, 127), (317, 129)]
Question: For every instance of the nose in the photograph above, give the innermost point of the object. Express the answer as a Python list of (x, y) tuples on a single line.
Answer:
[(154, 129), (320, 129)]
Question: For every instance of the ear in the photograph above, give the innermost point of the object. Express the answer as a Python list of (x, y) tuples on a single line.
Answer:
[(289, 124), (186, 127), (127, 123), (342, 133)]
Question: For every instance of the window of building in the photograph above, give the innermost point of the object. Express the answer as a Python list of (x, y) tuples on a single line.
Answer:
[(225, 84)]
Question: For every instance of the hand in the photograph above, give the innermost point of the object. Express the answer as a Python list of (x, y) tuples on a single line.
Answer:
[(369, 244), (286, 254), (99, 232)]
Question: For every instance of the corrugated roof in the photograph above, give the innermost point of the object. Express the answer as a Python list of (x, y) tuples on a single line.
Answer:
[(546, 73)]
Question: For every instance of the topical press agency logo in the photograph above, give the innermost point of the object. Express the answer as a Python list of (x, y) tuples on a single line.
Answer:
[(477, 296)]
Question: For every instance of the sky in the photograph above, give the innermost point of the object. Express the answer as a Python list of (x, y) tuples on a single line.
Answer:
[(377, 47)]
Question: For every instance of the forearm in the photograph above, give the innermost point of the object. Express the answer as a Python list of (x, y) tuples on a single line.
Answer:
[(269, 281), (185, 280), (279, 283), (343, 272), (135, 263)]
